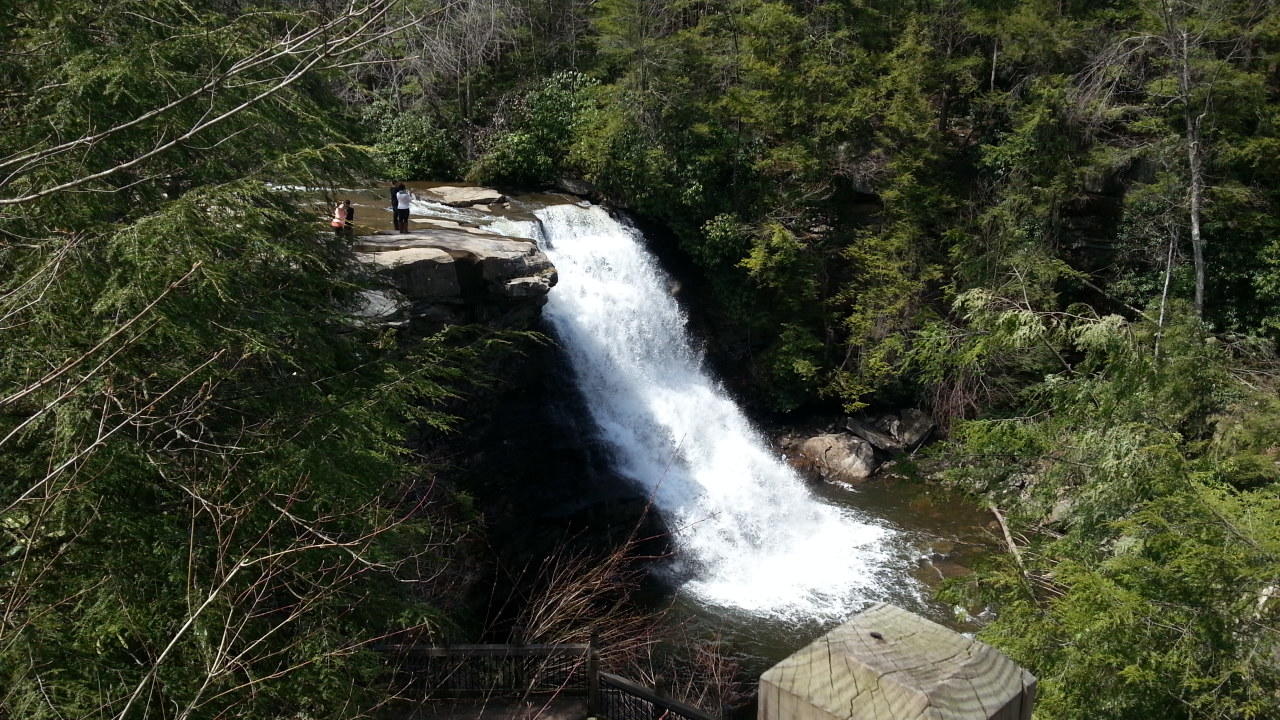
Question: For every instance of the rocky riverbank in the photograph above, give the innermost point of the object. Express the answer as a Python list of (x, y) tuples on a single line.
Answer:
[(852, 450)]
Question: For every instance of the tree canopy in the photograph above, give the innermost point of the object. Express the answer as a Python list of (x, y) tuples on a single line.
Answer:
[(1056, 225)]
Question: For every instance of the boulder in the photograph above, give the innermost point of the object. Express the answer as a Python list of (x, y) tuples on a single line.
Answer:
[(527, 287), (420, 273), (382, 307), (878, 438), (454, 274), (839, 457), (466, 196), (498, 259), (910, 427), (892, 432), (1062, 511), (575, 186)]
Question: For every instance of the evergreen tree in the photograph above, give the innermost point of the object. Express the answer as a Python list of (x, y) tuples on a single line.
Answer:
[(205, 504)]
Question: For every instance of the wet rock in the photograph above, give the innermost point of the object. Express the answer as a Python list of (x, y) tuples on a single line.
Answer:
[(892, 432), (788, 442), (942, 548), (839, 457), (947, 569), (466, 196), (443, 223)]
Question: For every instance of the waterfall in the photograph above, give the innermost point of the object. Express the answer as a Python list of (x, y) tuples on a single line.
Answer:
[(749, 533)]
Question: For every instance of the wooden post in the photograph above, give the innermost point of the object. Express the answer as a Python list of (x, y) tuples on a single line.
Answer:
[(890, 664), (593, 676), (661, 688)]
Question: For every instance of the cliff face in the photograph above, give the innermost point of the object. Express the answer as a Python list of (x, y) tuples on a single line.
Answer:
[(445, 271)]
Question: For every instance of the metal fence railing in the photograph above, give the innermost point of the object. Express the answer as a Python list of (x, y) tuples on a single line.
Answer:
[(527, 671), (491, 670), (621, 699)]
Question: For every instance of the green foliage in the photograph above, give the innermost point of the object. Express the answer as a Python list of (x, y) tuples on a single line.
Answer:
[(725, 239), (412, 146), (206, 509), (793, 364), (613, 152), (528, 145), (980, 207), (983, 207), (1152, 598)]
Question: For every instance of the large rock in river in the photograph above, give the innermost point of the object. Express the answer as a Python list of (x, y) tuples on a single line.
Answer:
[(466, 196), (894, 431), (839, 457)]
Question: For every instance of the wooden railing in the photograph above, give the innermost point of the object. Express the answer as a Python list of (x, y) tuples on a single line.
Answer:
[(527, 671)]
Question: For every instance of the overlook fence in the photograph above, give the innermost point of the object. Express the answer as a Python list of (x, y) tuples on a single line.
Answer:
[(528, 672), (622, 699)]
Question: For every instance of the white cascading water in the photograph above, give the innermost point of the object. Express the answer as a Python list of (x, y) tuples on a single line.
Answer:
[(749, 533)]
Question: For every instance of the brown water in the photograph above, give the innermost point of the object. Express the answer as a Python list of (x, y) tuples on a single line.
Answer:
[(373, 207)]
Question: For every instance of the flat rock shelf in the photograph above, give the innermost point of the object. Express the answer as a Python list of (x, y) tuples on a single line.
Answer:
[(455, 274)]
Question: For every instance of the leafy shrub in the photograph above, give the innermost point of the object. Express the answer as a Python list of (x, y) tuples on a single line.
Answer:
[(725, 239), (531, 136), (615, 154), (415, 147)]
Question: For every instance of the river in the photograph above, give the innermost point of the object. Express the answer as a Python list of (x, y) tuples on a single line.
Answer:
[(764, 559)]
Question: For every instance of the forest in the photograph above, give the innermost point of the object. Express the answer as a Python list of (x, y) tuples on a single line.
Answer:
[(1053, 224)]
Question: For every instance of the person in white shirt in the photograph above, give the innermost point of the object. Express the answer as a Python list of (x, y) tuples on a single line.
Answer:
[(403, 200)]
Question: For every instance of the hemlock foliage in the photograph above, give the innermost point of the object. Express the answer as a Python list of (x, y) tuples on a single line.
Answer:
[(1146, 487), (1000, 209), (205, 505)]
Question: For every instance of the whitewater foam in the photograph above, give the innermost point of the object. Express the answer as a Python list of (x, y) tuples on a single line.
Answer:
[(749, 532)]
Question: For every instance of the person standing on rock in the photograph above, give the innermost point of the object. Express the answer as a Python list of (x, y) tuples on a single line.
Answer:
[(341, 212), (404, 198), (349, 222)]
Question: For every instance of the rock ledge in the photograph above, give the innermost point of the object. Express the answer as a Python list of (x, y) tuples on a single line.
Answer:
[(448, 275)]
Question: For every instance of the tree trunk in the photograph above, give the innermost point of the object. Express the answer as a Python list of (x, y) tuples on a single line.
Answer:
[(1195, 163), (1181, 45), (1164, 294)]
